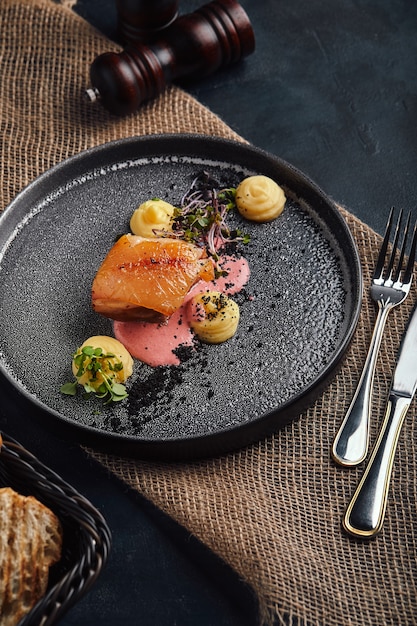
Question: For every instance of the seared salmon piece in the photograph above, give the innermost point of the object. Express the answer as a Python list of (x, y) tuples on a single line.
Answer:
[(148, 279)]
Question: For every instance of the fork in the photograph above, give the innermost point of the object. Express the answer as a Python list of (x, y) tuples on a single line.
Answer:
[(388, 289)]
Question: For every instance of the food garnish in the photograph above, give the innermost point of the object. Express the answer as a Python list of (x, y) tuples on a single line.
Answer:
[(101, 365), (201, 217)]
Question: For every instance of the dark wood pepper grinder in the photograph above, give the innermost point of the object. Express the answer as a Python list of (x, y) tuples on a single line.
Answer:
[(194, 46), (143, 20)]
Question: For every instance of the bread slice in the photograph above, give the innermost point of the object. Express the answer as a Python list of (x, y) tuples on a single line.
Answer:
[(30, 542)]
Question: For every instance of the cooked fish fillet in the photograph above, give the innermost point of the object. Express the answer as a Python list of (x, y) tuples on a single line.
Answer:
[(148, 279), (30, 542)]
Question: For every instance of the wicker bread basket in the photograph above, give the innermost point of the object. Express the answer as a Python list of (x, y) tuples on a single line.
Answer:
[(86, 536)]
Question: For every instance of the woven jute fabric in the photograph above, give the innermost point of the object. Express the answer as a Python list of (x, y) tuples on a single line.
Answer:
[(273, 510)]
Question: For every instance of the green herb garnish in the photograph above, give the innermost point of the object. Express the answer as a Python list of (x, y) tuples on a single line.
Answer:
[(100, 369)]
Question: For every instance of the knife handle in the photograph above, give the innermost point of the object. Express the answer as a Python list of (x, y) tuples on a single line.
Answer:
[(350, 445), (365, 514)]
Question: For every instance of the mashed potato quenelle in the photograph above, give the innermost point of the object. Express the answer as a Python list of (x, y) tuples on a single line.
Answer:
[(152, 216), (260, 199), (215, 317)]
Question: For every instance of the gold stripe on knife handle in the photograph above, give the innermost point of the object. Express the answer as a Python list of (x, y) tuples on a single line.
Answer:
[(365, 514)]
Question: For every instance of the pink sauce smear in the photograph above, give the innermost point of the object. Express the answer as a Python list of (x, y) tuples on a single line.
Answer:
[(155, 344)]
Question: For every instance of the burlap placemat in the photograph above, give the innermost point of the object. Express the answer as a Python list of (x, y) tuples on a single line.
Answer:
[(272, 510)]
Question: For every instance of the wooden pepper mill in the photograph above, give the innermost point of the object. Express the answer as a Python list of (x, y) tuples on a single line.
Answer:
[(143, 20), (194, 46)]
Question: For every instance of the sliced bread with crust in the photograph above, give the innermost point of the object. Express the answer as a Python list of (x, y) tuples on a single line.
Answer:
[(30, 543)]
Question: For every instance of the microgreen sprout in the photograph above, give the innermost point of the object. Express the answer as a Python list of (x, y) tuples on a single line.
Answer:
[(101, 369), (202, 216)]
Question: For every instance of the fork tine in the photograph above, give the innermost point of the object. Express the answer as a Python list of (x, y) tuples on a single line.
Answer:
[(379, 267), (402, 252), (394, 245), (411, 257)]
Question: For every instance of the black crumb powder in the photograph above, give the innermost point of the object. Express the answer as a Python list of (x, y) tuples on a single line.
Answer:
[(185, 353), (155, 389)]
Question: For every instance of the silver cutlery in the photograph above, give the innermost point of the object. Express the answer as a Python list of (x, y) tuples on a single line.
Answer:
[(388, 289), (365, 514)]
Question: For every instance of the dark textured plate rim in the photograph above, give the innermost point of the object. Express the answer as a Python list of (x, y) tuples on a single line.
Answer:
[(227, 439)]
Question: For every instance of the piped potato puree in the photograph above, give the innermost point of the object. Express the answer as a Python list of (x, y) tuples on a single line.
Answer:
[(152, 217), (260, 199), (214, 317)]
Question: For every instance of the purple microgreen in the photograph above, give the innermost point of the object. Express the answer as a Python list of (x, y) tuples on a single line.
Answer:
[(201, 217)]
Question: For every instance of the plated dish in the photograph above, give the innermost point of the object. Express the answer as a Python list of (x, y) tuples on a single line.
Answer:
[(298, 311)]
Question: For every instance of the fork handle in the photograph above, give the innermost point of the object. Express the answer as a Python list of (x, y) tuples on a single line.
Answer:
[(365, 514), (351, 442)]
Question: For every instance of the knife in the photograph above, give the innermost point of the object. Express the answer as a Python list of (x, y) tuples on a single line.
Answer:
[(365, 514)]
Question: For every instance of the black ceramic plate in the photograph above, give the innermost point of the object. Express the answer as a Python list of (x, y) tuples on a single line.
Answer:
[(298, 311)]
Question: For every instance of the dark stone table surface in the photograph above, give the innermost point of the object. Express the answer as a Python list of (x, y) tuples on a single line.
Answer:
[(332, 89)]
